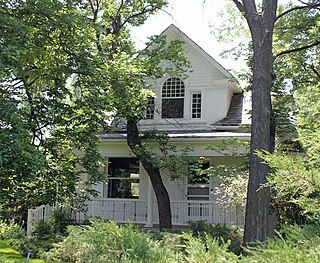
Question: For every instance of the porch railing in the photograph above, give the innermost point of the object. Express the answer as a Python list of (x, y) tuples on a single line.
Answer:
[(136, 211)]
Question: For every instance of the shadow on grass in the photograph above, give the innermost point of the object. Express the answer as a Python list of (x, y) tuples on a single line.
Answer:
[(9, 255)]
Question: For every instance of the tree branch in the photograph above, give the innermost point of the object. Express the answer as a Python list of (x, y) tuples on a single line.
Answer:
[(146, 9), (297, 8), (239, 5), (315, 71), (297, 49), (116, 23)]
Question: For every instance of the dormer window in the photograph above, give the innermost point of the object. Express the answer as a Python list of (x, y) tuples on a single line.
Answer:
[(172, 98)]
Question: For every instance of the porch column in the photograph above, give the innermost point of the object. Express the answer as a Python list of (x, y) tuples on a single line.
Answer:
[(149, 205)]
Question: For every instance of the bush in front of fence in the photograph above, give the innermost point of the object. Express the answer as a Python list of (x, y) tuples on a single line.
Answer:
[(109, 242)]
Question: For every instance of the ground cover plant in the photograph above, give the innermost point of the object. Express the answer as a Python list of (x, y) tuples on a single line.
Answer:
[(106, 241), (14, 237), (109, 242)]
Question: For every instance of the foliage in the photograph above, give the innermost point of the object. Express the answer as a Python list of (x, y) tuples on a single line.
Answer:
[(290, 43), (59, 220), (296, 187), (67, 69), (47, 62), (108, 242), (298, 244), (207, 250), (40, 242), (11, 231), (9, 255), (233, 176), (295, 176), (296, 72), (45, 234), (230, 235)]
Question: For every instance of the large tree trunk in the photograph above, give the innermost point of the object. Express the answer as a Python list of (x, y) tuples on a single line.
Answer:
[(258, 199), (163, 200)]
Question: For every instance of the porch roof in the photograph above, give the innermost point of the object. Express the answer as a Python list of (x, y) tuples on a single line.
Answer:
[(190, 136)]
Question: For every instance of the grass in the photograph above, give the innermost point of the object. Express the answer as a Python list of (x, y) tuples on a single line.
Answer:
[(9, 255)]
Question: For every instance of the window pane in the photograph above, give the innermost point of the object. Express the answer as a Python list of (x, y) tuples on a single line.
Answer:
[(198, 190), (196, 106), (198, 173), (150, 109), (173, 88), (123, 181), (172, 108)]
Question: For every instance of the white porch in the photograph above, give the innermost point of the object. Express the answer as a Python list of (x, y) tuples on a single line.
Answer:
[(140, 212), (136, 211)]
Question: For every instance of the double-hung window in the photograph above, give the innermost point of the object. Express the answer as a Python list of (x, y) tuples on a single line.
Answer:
[(123, 180)]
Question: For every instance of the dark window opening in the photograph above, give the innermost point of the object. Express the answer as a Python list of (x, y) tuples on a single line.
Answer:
[(198, 173), (150, 109), (172, 108), (123, 181), (198, 181)]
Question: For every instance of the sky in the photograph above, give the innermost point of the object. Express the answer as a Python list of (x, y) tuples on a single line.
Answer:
[(192, 17)]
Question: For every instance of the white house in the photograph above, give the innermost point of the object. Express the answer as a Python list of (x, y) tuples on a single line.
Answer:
[(203, 109)]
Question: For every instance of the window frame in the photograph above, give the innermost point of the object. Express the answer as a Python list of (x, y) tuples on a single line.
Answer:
[(150, 110), (172, 90), (196, 107), (114, 182)]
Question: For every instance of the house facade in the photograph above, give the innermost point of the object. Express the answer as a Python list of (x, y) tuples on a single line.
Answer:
[(203, 109)]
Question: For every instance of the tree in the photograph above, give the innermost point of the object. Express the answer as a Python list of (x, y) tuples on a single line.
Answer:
[(44, 44), (295, 167), (261, 23), (128, 79), (69, 67), (261, 26)]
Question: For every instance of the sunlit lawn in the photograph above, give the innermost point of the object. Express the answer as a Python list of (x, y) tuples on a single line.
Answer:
[(9, 255)]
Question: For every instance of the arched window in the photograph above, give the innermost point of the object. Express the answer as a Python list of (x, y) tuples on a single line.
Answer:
[(172, 98)]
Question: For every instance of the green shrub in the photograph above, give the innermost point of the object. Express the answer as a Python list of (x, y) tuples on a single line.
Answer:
[(59, 220), (207, 249), (40, 242), (294, 244), (295, 185), (222, 233), (109, 242), (171, 239), (3, 259), (43, 228), (11, 231)]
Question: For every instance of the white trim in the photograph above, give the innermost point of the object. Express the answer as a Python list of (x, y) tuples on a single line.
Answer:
[(232, 85)]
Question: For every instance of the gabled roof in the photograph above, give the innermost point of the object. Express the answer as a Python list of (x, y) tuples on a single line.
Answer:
[(172, 28), (234, 115)]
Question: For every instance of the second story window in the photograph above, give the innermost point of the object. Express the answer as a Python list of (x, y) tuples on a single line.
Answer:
[(196, 106), (172, 98), (150, 109)]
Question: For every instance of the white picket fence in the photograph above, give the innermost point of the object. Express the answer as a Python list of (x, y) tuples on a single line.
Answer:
[(40, 213), (136, 211)]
